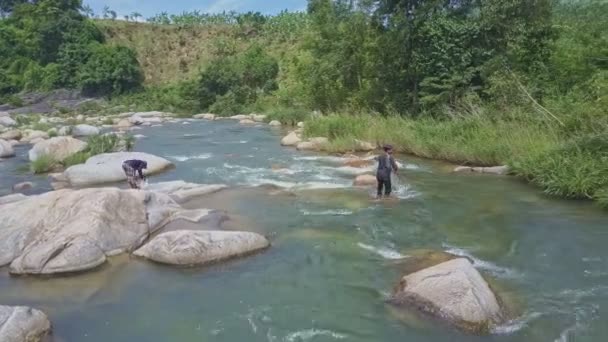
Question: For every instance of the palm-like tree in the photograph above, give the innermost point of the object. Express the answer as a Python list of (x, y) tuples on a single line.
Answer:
[(88, 11), (135, 16), (106, 12)]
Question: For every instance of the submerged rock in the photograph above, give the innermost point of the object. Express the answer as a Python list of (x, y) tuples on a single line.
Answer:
[(23, 186), (365, 180), (358, 162), (247, 122), (57, 148), (84, 130), (23, 324), (292, 139), (11, 135), (452, 291), (187, 247), (6, 149), (497, 170), (182, 192), (107, 168)]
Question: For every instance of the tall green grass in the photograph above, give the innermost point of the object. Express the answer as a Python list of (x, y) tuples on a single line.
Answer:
[(43, 164)]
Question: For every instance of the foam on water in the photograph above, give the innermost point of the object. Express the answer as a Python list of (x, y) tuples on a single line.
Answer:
[(186, 158), (515, 325), (482, 264), (384, 252), (338, 212), (309, 334), (329, 159)]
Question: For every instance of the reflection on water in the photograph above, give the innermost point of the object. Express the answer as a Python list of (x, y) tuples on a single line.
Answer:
[(335, 255)]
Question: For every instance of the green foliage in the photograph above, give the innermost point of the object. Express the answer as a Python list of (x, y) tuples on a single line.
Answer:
[(99, 144), (43, 164), (288, 115), (110, 70)]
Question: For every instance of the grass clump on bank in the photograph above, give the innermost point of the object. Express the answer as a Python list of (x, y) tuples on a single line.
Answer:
[(43, 164)]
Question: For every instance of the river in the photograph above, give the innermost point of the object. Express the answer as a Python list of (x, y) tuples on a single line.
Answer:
[(335, 254)]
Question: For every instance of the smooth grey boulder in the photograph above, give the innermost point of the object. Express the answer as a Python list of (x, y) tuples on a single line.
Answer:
[(11, 135), (84, 130), (181, 191), (11, 198), (7, 121), (6, 149), (452, 291), (23, 324), (206, 116), (58, 148), (30, 135), (107, 168), (291, 139), (187, 247)]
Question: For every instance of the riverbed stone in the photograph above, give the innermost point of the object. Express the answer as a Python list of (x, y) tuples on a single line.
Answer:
[(6, 149), (107, 168), (358, 162), (313, 144), (258, 117), (205, 116), (187, 247), (23, 186), (7, 121), (452, 291), (247, 122), (30, 135), (124, 123), (365, 180), (64, 130), (23, 324), (58, 148), (182, 192), (496, 170), (300, 124), (84, 130), (240, 117), (14, 134), (275, 123), (12, 198), (364, 146), (291, 139)]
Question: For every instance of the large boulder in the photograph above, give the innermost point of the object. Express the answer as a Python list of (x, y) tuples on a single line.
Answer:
[(313, 144), (11, 135), (57, 148), (6, 149), (23, 324), (187, 247), (182, 192), (258, 117), (453, 291), (240, 117), (12, 198), (275, 123), (292, 139), (107, 168), (364, 146), (30, 135), (84, 130), (7, 121), (206, 116), (136, 120), (247, 122), (365, 180), (124, 123)]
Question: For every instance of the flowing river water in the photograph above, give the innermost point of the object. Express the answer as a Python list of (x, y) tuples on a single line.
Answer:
[(335, 254)]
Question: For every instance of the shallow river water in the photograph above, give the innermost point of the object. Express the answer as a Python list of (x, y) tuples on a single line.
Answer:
[(335, 254)]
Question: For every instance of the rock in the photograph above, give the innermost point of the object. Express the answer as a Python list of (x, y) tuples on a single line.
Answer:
[(64, 130), (75, 230), (14, 143), (463, 169), (107, 167), (56, 177), (6, 149), (58, 148), (182, 192), (146, 124), (275, 123), (4, 114), (358, 162), (23, 324), (497, 170), (149, 114), (7, 121), (151, 120), (205, 116), (247, 122), (136, 120), (36, 141), (301, 124), (12, 198), (292, 139), (80, 117), (11, 135), (453, 291), (31, 135), (187, 247), (22, 186), (240, 117), (365, 180), (124, 123), (84, 130), (314, 144), (364, 146), (258, 117)]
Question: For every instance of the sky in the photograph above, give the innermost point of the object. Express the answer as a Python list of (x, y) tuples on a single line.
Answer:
[(149, 8)]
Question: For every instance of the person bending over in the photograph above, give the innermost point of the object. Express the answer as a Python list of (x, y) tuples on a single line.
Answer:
[(133, 170)]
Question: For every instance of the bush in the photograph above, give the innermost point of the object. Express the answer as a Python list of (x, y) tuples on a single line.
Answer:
[(288, 116), (110, 70), (43, 164)]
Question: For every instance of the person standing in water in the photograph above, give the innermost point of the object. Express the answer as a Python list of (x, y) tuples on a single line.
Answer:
[(133, 170), (386, 166)]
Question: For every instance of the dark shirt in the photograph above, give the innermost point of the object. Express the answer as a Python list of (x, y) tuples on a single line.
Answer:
[(386, 165), (137, 165)]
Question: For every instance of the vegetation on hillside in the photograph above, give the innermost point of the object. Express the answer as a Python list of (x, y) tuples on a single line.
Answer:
[(515, 82)]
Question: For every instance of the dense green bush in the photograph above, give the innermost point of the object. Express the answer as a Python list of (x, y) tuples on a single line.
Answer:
[(109, 70)]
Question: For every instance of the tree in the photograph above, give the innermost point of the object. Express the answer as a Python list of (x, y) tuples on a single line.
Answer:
[(135, 16), (106, 12), (88, 11)]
